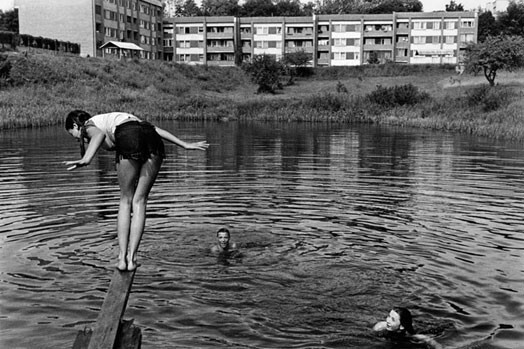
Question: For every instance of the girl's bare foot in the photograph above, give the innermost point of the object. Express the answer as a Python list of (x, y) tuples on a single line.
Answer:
[(132, 265), (121, 265)]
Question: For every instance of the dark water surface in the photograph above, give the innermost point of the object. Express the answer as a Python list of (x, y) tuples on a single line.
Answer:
[(337, 224)]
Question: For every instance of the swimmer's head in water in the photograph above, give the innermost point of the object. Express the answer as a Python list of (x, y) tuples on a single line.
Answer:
[(223, 238), (400, 319)]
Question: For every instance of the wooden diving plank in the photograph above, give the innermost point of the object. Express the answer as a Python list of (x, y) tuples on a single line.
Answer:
[(113, 308)]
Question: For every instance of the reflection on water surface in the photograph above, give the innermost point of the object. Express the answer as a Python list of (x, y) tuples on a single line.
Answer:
[(336, 224)]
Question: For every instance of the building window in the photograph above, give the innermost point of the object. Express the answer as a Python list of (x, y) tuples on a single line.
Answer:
[(450, 25), (402, 52), (245, 30), (432, 39), (261, 30), (450, 39), (467, 23), (323, 29), (110, 15), (378, 28), (377, 41), (466, 37), (268, 44)]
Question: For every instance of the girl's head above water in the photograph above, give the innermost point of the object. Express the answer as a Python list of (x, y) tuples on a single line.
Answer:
[(399, 320)]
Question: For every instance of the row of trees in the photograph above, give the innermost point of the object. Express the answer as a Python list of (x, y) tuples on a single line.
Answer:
[(268, 8), (9, 21), (509, 22)]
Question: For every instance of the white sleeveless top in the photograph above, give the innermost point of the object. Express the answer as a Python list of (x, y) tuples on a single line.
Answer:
[(107, 123)]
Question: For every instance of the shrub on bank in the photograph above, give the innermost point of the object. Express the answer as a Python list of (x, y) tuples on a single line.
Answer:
[(390, 97), (488, 98)]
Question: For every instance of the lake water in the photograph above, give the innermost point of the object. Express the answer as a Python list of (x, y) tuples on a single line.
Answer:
[(336, 223)]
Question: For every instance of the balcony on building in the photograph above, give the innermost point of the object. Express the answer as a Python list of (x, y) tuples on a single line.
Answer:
[(219, 32), (246, 32), (378, 30), (299, 45), (323, 58), (323, 30), (402, 28), (299, 32), (218, 46), (378, 44), (220, 59)]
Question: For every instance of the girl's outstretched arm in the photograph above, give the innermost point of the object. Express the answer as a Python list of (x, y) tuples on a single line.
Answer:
[(428, 340), (96, 139), (168, 136)]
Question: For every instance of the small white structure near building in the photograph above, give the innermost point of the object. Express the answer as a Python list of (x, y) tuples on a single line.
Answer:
[(120, 49)]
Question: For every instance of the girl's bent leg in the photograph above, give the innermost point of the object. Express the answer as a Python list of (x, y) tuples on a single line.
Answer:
[(128, 172), (148, 174)]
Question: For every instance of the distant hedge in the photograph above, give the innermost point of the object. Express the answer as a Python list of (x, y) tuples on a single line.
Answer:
[(24, 40)]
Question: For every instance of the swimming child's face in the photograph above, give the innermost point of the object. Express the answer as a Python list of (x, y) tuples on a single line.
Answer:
[(223, 239), (393, 321)]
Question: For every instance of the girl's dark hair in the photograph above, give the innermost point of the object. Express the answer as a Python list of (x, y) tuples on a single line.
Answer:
[(78, 117), (406, 320), (223, 230)]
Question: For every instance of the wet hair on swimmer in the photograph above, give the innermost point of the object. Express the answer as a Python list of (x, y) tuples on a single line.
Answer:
[(406, 320), (78, 117), (223, 230)]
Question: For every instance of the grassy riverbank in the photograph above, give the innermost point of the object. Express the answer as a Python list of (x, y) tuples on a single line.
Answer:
[(43, 88)]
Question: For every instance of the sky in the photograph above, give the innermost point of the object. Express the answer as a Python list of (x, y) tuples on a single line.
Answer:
[(6, 5), (440, 5), (429, 5)]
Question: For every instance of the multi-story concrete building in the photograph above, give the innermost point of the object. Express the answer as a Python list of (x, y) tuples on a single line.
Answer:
[(91, 23), (332, 40)]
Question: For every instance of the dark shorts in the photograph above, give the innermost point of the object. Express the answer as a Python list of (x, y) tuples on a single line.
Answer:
[(138, 141)]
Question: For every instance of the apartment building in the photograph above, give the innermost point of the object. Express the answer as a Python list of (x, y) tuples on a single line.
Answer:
[(332, 40), (93, 23)]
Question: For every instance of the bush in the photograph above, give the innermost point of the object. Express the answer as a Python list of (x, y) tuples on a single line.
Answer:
[(397, 95), (487, 97), (264, 71)]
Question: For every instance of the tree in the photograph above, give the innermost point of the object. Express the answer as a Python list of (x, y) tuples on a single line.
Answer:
[(390, 6), (258, 8), (454, 7), (494, 54), (9, 21), (487, 26), (220, 7), (338, 6), (265, 71), (295, 63), (511, 22), (309, 8), (289, 8), (189, 9)]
